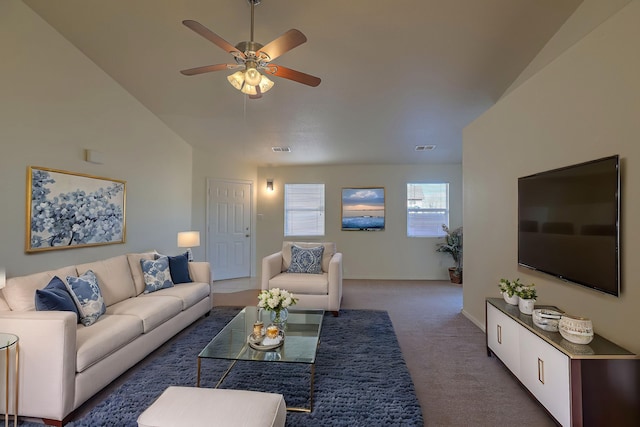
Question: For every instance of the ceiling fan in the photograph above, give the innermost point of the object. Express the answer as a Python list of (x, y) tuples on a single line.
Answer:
[(251, 58)]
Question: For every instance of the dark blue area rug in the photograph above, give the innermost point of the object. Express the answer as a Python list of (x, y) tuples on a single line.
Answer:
[(360, 380)]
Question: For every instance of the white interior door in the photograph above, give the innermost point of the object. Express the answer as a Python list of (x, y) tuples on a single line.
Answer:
[(229, 229)]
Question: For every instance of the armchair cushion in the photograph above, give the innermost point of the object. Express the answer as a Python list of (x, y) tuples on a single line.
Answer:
[(306, 260)]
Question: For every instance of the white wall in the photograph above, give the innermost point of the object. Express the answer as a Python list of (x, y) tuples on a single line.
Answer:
[(387, 254), (583, 105), (54, 103)]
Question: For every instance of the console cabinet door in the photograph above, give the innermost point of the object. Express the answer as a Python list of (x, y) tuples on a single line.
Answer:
[(503, 339), (545, 372)]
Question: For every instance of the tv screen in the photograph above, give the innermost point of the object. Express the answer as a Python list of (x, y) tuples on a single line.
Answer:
[(568, 222)]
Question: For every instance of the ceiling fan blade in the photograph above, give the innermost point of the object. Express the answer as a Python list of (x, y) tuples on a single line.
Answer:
[(211, 36), (296, 76), (209, 68), (283, 44)]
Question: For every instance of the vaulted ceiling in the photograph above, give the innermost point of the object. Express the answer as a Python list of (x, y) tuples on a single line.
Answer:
[(395, 74)]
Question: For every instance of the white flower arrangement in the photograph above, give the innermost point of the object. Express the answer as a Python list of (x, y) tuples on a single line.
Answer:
[(276, 299), (509, 287), (527, 292)]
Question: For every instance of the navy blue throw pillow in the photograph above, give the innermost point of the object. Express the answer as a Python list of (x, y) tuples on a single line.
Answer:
[(179, 268), (55, 297)]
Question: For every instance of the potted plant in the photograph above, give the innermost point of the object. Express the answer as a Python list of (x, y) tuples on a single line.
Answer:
[(453, 245), (509, 289), (526, 298)]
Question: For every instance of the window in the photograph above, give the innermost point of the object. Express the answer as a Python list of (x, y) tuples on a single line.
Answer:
[(304, 209), (427, 209)]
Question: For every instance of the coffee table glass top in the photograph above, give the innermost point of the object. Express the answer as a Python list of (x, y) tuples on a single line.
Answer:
[(302, 335)]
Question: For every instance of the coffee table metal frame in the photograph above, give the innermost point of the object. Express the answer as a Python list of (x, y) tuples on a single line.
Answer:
[(302, 338)]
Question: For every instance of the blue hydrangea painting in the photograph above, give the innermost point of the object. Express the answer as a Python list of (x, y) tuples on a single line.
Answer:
[(69, 210)]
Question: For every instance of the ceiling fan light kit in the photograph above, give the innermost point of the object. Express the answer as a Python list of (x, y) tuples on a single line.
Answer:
[(251, 58)]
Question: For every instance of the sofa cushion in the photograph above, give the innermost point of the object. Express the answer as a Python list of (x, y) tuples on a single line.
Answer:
[(19, 291), (136, 269), (3, 303), (114, 276), (301, 283), (55, 297), (329, 250), (85, 292), (151, 309), (107, 335), (306, 260), (188, 293), (157, 274)]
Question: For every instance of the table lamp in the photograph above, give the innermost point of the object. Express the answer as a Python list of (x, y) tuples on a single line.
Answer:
[(189, 239)]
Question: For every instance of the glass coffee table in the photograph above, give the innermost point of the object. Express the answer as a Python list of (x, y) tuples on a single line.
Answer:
[(302, 338)]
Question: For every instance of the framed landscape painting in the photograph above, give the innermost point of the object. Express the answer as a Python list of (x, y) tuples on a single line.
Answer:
[(363, 209), (70, 210)]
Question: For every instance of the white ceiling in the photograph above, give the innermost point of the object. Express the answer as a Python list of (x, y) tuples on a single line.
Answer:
[(395, 73)]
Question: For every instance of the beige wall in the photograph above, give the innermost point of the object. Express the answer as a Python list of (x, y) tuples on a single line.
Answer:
[(583, 105), (54, 103), (387, 254)]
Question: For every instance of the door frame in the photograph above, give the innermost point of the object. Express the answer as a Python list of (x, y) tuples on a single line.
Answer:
[(208, 236)]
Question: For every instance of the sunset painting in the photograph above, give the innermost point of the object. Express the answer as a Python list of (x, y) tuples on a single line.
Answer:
[(363, 209)]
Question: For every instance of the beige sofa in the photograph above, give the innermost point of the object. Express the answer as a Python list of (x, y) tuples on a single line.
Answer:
[(319, 291), (62, 362)]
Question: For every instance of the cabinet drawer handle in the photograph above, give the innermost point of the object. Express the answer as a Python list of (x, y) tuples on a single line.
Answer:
[(541, 370), (499, 334)]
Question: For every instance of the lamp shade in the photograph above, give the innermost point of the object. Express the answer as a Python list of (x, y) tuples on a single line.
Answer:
[(188, 239)]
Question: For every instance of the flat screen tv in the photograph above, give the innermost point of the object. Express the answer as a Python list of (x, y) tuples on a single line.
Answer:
[(569, 223)]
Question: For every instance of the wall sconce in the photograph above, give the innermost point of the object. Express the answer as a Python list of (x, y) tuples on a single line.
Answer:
[(270, 184), (189, 239)]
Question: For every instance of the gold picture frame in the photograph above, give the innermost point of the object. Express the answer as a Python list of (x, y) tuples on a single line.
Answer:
[(71, 210)]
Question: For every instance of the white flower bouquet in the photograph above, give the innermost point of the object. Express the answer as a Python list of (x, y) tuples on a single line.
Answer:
[(276, 299)]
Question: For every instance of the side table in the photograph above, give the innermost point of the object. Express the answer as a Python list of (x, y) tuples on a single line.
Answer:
[(6, 342)]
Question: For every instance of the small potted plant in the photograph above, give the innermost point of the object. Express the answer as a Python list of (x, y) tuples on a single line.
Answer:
[(508, 290), (526, 298), (453, 245)]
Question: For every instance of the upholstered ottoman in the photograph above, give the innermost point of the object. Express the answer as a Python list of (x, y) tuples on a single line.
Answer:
[(194, 406)]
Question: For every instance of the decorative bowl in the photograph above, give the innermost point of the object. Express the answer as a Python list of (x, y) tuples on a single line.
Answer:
[(577, 330), (546, 319)]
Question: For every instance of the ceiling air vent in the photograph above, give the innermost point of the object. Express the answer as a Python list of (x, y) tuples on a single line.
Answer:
[(425, 147), (281, 149)]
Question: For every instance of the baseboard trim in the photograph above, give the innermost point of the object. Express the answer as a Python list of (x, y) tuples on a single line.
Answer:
[(473, 320)]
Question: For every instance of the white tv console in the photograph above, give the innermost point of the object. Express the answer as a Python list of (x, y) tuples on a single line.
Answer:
[(579, 385)]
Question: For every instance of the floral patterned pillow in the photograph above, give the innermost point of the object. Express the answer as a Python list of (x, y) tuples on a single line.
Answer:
[(86, 294), (157, 274), (306, 260)]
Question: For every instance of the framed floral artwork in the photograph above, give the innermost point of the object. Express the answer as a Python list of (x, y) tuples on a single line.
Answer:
[(70, 210), (363, 209)]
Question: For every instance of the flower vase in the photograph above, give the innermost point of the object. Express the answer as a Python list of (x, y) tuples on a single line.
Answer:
[(513, 299), (526, 305), (279, 317)]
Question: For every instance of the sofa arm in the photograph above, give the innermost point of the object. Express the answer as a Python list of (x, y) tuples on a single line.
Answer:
[(200, 271), (335, 282), (47, 346), (271, 267)]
